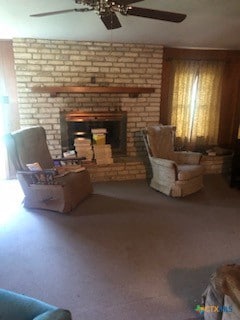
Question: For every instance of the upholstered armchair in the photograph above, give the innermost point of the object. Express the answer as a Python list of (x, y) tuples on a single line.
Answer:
[(221, 298), (174, 173), (46, 186)]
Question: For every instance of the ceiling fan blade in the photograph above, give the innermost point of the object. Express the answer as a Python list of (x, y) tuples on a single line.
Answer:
[(156, 14), (126, 2), (111, 21), (51, 13)]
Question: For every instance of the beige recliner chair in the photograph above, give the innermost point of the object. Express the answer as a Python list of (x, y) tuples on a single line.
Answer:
[(174, 173), (52, 188)]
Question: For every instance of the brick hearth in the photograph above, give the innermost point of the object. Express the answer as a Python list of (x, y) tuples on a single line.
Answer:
[(126, 168)]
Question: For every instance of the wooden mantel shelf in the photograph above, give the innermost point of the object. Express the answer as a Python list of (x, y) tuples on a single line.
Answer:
[(134, 91)]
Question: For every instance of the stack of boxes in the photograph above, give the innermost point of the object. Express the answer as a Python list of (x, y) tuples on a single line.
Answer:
[(102, 151), (103, 154), (83, 147)]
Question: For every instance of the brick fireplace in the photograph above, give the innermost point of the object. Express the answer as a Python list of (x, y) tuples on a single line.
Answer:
[(73, 63)]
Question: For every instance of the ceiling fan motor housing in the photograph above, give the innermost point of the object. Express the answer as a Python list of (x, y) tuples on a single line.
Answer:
[(103, 6)]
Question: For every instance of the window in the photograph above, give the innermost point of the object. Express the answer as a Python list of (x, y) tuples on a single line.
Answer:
[(194, 102)]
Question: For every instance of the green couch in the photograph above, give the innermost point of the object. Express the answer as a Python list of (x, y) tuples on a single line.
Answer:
[(14, 306)]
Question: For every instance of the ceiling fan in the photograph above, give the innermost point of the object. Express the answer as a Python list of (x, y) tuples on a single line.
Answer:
[(107, 9)]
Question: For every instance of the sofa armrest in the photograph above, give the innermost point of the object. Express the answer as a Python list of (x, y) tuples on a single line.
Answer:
[(187, 157), (15, 306), (58, 314)]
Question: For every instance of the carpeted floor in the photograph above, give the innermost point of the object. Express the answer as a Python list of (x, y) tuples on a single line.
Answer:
[(126, 253)]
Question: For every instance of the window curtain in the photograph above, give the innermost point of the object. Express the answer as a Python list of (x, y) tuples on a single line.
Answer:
[(194, 104)]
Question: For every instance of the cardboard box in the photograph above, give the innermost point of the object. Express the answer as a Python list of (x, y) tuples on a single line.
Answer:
[(99, 138)]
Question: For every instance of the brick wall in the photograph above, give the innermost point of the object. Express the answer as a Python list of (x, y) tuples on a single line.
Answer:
[(53, 63)]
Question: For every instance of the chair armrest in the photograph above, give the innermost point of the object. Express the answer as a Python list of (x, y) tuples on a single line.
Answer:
[(46, 176), (164, 170), (187, 157), (164, 162), (72, 161)]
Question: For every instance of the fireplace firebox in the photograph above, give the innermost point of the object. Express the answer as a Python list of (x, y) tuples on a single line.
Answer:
[(76, 123)]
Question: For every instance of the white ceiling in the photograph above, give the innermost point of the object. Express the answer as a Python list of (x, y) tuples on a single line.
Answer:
[(209, 23)]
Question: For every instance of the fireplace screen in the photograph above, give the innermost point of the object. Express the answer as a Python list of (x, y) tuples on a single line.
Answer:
[(79, 124)]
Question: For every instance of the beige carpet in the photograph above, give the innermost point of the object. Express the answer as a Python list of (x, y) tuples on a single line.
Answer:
[(126, 253)]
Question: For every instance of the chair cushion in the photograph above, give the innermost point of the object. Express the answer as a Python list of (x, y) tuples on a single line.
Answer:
[(31, 146), (161, 141), (187, 171)]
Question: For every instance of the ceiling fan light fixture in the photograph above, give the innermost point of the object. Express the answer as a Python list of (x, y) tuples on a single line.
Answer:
[(124, 10), (107, 10)]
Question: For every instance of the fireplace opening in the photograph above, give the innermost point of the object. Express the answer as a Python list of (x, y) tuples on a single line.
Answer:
[(75, 124)]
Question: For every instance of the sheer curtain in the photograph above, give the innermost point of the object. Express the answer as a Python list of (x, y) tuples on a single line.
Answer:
[(194, 104)]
